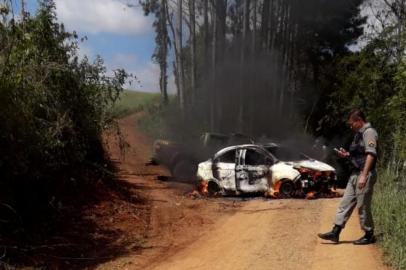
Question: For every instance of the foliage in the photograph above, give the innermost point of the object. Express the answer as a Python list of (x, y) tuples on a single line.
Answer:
[(369, 80), (53, 108), (389, 204)]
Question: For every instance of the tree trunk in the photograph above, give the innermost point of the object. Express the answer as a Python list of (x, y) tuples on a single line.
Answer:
[(221, 13), (212, 97), (163, 81), (271, 25), (23, 12), (246, 23), (206, 31), (244, 49), (277, 24), (254, 26), (178, 54), (265, 23), (192, 50)]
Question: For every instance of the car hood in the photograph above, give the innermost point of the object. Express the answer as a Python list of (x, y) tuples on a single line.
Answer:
[(313, 165), (206, 165)]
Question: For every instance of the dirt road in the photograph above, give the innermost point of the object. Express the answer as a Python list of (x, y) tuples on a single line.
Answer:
[(276, 235), (185, 233)]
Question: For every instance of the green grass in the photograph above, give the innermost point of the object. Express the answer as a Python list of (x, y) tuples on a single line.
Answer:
[(134, 101), (154, 123), (389, 209), (160, 119)]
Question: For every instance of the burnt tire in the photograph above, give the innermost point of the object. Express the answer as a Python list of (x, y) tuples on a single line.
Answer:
[(287, 189), (213, 189), (185, 171)]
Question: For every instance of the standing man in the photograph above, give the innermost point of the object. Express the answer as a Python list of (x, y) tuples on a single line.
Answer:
[(358, 193)]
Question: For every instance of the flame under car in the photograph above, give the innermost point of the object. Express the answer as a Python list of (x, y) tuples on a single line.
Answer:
[(253, 169)]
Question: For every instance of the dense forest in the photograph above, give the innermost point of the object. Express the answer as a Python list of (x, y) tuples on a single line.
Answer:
[(246, 65)]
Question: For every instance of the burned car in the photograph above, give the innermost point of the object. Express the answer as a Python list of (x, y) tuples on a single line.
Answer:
[(252, 168), (182, 158)]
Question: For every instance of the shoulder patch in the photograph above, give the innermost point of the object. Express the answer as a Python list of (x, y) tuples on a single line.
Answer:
[(371, 143)]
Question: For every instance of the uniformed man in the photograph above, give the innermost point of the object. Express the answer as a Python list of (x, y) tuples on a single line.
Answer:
[(358, 193)]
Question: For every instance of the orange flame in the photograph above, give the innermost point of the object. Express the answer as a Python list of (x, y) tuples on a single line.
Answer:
[(273, 192), (201, 190), (310, 195), (203, 187)]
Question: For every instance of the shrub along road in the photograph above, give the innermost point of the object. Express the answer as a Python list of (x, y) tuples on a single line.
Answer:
[(215, 233)]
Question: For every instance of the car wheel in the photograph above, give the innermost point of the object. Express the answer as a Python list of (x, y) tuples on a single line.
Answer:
[(213, 188), (287, 189), (185, 171)]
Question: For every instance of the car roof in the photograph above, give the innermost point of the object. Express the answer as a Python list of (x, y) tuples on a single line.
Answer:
[(246, 146)]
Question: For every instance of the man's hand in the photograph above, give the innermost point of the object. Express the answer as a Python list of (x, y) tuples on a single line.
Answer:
[(343, 153), (362, 181)]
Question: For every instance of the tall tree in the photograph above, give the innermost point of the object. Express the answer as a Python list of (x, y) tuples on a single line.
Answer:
[(163, 51), (212, 88), (295, 43), (192, 39), (395, 13), (206, 38), (265, 23), (162, 41), (178, 54), (254, 25)]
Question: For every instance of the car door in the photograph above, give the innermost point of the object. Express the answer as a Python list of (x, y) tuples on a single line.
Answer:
[(224, 169), (253, 171)]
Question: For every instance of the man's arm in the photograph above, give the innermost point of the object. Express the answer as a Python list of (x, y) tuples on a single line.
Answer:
[(362, 178), (370, 139)]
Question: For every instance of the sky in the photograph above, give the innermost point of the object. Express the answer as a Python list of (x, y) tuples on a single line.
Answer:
[(121, 35)]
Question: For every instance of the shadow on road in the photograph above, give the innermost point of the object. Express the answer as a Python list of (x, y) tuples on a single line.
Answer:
[(100, 223)]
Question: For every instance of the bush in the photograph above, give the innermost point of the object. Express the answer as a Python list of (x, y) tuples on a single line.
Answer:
[(53, 109), (389, 204)]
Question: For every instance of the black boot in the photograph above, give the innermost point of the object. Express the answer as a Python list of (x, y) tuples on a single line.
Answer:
[(367, 239), (333, 235)]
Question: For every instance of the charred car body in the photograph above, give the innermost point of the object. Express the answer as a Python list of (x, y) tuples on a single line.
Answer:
[(253, 168), (182, 158)]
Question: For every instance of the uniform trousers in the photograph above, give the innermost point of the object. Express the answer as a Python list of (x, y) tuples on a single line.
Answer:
[(362, 199)]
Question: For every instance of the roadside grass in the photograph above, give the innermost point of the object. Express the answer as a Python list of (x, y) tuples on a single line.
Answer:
[(134, 101), (157, 120), (389, 209), (154, 122)]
